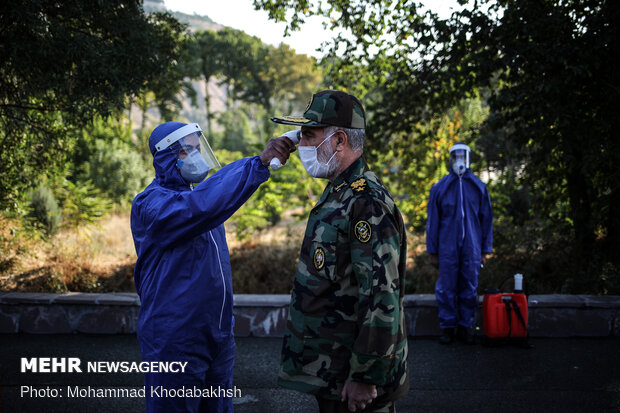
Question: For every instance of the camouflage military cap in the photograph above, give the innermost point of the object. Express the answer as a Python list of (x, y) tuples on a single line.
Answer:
[(329, 108)]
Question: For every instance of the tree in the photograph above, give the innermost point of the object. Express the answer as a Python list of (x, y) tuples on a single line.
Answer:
[(107, 156), (545, 70), (275, 78), (237, 133), (239, 58), (411, 164), (64, 62), (204, 50), (290, 81)]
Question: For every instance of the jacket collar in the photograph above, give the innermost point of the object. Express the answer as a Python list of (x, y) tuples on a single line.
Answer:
[(354, 171), (344, 180)]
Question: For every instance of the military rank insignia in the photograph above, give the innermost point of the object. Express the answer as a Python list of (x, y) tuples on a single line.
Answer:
[(319, 258), (339, 187), (362, 232), (359, 185)]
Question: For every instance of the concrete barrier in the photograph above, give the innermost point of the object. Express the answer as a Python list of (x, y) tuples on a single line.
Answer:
[(265, 315)]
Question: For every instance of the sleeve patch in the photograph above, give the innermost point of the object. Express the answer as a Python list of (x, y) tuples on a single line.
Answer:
[(363, 231), (319, 258)]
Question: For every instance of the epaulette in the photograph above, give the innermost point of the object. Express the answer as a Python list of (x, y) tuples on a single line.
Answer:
[(359, 185)]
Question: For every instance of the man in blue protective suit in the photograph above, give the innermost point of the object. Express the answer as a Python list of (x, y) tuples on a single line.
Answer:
[(182, 273), (459, 234)]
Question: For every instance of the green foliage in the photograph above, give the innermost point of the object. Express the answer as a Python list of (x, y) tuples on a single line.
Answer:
[(259, 75), (531, 86), (543, 69), (166, 86), (64, 62), (108, 158), (240, 57), (237, 135), (204, 64), (116, 170), (64, 204), (290, 79), (289, 188), (44, 209), (82, 204), (410, 164), (552, 106), (142, 146)]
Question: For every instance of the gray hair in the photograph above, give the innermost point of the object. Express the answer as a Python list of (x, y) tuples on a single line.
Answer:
[(356, 137)]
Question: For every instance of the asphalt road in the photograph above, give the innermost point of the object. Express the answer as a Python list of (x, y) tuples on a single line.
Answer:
[(558, 375)]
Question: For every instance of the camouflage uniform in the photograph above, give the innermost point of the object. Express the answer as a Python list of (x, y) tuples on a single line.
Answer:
[(346, 317)]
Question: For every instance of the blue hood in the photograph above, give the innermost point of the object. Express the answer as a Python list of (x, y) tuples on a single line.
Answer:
[(165, 161)]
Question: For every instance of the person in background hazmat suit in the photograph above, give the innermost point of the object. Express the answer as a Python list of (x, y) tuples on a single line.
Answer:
[(459, 234), (182, 273), (346, 339)]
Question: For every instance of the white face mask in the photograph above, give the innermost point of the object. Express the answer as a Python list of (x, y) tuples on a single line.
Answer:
[(459, 167), (309, 158), (193, 168)]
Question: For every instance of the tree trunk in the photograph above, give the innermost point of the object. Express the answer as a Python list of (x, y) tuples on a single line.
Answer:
[(581, 208), (208, 111)]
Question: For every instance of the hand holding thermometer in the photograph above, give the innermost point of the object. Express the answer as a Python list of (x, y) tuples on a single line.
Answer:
[(293, 135)]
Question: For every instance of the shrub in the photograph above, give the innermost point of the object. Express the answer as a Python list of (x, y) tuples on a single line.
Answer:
[(117, 170), (82, 203), (44, 209)]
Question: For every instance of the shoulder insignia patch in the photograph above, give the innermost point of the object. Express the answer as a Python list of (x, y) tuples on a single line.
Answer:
[(359, 185), (319, 258), (362, 231)]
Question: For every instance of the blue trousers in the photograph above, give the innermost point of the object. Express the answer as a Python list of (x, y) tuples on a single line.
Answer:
[(219, 375), (456, 291)]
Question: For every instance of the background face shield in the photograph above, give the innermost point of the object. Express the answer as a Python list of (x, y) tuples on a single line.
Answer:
[(459, 161), (459, 155)]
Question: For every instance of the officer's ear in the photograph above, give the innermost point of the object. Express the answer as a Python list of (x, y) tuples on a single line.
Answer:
[(342, 140)]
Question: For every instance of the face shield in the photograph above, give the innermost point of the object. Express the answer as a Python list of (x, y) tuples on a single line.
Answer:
[(459, 158), (196, 157)]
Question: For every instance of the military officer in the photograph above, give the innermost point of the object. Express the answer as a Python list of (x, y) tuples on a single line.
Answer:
[(346, 341)]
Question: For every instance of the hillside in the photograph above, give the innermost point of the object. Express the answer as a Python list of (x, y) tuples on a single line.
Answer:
[(195, 21)]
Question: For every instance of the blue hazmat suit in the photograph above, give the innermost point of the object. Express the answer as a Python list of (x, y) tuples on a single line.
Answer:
[(183, 275), (459, 229)]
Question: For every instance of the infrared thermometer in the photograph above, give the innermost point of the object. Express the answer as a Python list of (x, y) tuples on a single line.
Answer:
[(293, 135)]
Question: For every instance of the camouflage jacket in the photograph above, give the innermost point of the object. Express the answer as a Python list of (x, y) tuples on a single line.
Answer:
[(346, 317)]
